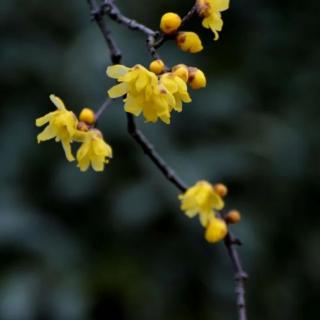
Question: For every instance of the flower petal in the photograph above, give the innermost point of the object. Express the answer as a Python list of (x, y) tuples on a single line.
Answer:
[(118, 90)]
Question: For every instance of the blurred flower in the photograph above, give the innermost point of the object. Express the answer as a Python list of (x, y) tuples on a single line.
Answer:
[(87, 116), (201, 199), (216, 230), (62, 126), (157, 66), (170, 22), (94, 150), (197, 78), (177, 88), (181, 70), (189, 42), (211, 10)]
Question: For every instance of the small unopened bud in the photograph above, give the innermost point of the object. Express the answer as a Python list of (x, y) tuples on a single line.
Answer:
[(189, 42), (216, 230), (181, 70), (87, 115), (220, 189), (197, 79), (170, 22), (233, 216), (82, 126), (157, 66)]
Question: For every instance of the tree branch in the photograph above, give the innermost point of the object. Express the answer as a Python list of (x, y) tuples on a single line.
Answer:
[(240, 276), (97, 16), (108, 7), (150, 151)]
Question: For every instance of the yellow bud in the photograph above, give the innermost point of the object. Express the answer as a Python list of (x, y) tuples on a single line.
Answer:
[(233, 216), (181, 70), (220, 189), (197, 79), (157, 66), (189, 42), (87, 115), (170, 22), (216, 230)]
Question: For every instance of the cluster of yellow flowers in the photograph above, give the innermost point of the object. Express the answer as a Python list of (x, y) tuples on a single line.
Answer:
[(203, 200), (209, 10), (206, 201), (155, 92), (64, 126)]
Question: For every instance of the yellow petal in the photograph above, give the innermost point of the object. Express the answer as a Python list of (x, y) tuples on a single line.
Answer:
[(47, 134), (117, 71), (118, 90), (57, 102), (83, 150), (43, 120), (84, 164), (132, 106), (67, 149), (221, 5), (142, 81), (97, 164)]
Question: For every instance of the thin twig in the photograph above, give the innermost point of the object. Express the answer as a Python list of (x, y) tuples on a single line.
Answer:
[(108, 7), (102, 108), (96, 15), (230, 242), (150, 151), (240, 276)]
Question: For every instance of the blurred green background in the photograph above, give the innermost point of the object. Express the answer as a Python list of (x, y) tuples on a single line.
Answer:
[(115, 245)]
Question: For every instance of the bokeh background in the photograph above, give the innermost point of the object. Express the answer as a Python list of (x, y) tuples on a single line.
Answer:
[(115, 245)]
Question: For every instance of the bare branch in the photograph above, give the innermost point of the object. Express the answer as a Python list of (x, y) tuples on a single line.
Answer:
[(150, 151), (96, 15), (108, 7)]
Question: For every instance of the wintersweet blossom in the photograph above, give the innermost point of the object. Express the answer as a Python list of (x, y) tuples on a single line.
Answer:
[(147, 93), (94, 150), (189, 42), (216, 230), (62, 125), (211, 10), (177, 88), (201, 199)]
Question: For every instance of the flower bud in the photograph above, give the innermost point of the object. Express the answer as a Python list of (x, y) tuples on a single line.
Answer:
[(170, 23), (197, 79), (233, 216), (216, 230), (189, 42), (82, 126), (220, 189), (157, 66), (181, 70), (87, 115)]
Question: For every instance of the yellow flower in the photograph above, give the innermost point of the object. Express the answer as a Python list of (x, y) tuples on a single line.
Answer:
[(189, 42), (197, 78), (146, 93), (181, 70), (211, 10), (94, 150), (62, 126), (216, 230), (177, 88), (201, 199)]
